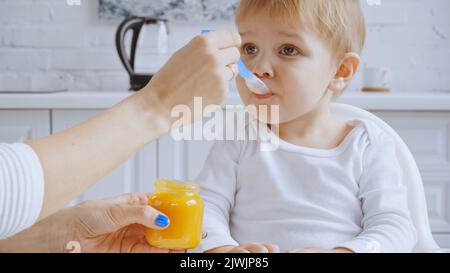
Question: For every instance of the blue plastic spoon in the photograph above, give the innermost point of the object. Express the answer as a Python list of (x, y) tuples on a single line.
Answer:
[(255, 84)]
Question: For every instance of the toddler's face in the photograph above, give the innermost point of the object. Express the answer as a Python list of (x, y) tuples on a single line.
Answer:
[(295, 63)]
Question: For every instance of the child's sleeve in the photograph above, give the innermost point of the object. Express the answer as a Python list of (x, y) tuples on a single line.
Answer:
[(218, 187), (387, 225)]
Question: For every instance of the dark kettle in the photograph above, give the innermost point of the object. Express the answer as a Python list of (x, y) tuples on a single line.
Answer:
[(135, 24)]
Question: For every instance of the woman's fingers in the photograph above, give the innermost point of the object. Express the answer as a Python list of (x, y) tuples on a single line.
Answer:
[(257, 248), (222, 39), (134, 198), (132, 208), (229, 56), (228, 59), (231, 72), (152, 217), (272, 248), (144, 215), (239, 250), (308, 250), (202, 69)]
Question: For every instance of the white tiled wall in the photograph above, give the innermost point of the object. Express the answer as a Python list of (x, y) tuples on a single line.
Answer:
[(49, 37)]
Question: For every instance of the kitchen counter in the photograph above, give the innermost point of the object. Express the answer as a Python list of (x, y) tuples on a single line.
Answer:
[(432, 101)]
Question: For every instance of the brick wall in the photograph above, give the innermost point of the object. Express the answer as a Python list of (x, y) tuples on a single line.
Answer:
[(50, 38)]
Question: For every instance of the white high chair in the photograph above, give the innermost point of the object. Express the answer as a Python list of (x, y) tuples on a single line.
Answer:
[(411, 176)]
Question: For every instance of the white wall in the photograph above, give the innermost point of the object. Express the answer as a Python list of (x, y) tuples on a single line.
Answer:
[(69, 43)]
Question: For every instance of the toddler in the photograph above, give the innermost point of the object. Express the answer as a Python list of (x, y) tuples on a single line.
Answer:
[(330, 186)]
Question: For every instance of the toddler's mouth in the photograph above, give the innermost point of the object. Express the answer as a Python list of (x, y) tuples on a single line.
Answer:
[(264, 96)]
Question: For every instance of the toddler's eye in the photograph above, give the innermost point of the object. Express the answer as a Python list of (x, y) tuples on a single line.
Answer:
[(249, 49), (289, 51)]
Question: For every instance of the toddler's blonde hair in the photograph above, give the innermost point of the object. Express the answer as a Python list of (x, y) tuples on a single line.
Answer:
[(339, 22)]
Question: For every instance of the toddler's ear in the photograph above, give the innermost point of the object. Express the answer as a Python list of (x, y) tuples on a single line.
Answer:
[(337, 85), (347, 69)]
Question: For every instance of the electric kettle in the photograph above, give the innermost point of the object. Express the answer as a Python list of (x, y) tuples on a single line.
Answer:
[(135, 24)]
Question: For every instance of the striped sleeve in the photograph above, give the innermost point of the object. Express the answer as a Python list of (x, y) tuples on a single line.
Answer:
[(21, 188)]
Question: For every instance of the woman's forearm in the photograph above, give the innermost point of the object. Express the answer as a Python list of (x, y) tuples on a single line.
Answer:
[(29, 241), (50, 235), (75, 159)]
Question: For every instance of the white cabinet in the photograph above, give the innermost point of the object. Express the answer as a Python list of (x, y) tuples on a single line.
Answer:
[(183, 159), (428, 136), (136, 174), (21, 125)]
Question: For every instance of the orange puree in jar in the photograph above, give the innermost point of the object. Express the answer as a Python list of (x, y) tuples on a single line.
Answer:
[(181, 202)]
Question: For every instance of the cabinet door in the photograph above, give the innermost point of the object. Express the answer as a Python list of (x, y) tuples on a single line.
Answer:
[(19, 126), (183, 159), (136, 174), (428, 136)]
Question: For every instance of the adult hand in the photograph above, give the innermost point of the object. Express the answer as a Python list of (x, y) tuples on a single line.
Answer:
[(203, 69), (112, 225)]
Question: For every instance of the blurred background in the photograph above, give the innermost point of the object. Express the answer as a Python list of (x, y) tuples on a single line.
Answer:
[(74, 39)]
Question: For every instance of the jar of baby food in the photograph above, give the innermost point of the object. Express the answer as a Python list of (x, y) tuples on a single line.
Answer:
[(181, 202)]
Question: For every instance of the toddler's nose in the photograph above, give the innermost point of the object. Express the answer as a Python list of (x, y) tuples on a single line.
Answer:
[(263, 68)]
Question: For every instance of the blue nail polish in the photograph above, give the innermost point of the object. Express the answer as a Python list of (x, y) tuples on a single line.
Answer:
[(206, 31), (162, 221)]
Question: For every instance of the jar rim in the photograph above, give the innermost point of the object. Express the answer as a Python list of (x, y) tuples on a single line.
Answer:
[(163, 184)]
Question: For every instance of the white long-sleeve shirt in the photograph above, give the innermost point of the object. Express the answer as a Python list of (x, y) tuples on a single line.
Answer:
[(296, 197), (21, 188)]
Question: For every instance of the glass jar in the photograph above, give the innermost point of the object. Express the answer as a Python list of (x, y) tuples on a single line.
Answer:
[(181, 202)]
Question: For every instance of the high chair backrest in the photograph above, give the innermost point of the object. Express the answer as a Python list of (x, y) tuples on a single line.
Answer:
[(411, 176)]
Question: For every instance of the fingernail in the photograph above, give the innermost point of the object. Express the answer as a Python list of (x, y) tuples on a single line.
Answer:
[(162, 221)]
